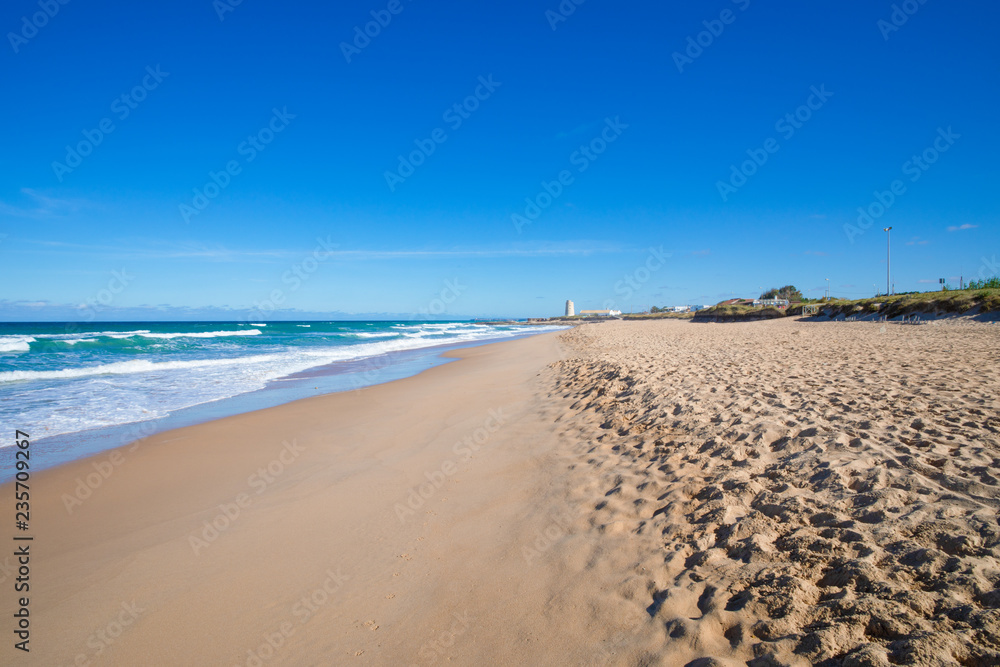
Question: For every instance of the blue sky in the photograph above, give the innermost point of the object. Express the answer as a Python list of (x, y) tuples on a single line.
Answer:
[(318, 218)]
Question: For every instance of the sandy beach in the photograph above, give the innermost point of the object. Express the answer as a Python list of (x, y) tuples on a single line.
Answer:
[(624, 493), (797, 493)]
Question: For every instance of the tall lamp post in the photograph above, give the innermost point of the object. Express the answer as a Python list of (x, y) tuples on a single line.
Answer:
[(888, 255)]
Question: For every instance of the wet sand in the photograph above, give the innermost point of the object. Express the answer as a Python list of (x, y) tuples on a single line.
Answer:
[(626, 493)]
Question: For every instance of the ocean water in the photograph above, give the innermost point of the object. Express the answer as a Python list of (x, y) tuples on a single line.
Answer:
[(58, 379)]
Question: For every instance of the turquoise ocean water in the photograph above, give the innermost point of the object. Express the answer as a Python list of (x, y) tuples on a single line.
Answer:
[(68, 380)]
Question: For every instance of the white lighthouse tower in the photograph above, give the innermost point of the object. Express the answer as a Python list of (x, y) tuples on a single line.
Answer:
[(570, 312)]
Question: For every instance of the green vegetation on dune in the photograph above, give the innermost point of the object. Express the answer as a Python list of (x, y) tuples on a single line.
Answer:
[(659, 315), (977, 300), (787, 292), (981, 297), (988, 283), (734, 312), (952, 302)]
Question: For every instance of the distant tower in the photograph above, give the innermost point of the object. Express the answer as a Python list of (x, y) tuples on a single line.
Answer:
[(569, 309)]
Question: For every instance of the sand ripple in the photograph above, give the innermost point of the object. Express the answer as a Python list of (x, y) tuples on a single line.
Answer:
[(794, 493)]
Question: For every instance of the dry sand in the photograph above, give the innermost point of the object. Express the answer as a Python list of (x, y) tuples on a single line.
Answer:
[(628, 493), (797, 493)]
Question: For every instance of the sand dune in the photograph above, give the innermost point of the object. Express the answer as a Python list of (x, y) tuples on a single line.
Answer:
[(793, 493)]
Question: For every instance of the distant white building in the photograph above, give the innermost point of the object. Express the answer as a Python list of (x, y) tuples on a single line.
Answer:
[(777, 303), (601, 313), (570, 312)]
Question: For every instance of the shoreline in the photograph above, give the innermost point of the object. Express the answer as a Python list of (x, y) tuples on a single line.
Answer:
[(303, 500), (632, 493), (336, 377)]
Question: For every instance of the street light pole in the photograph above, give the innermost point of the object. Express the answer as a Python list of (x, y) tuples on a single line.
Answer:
[(888, 256)]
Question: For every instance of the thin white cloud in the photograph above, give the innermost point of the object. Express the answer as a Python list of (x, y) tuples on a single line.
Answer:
[(24, 304), (40, 206), (16, 311), (161, 251), (544, 251), (157, 250), (959, 228)]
